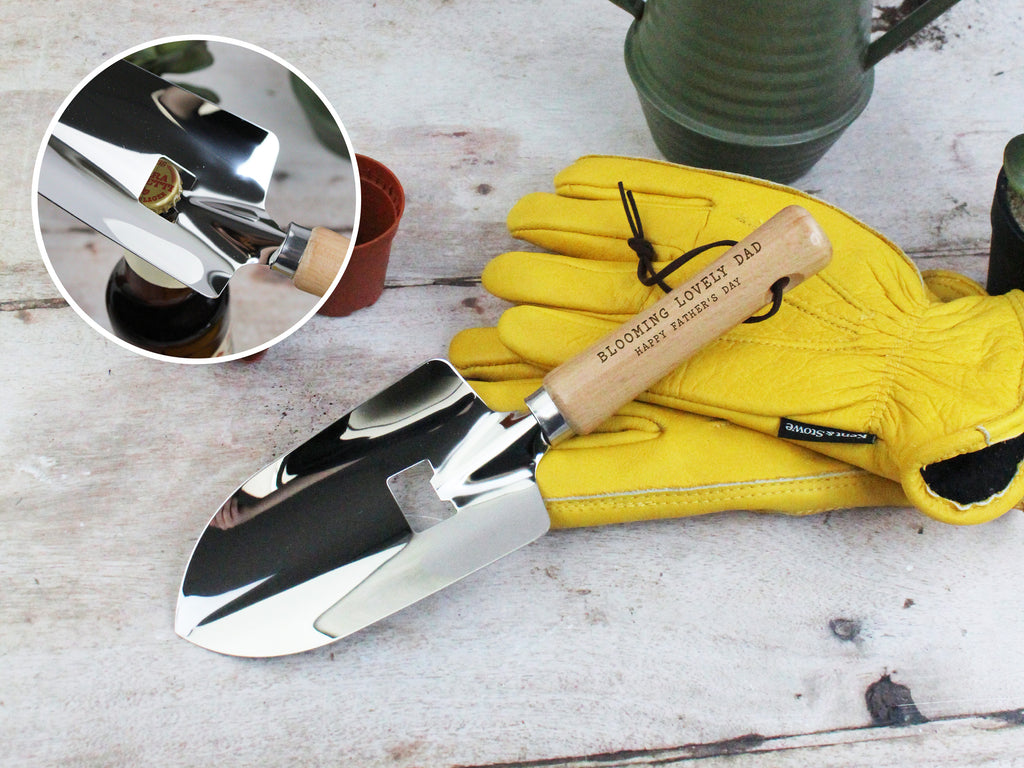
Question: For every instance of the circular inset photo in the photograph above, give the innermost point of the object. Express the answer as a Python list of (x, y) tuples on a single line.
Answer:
[(195, 199)]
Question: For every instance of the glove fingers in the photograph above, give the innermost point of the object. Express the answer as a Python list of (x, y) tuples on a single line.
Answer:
[(478, 353), (596, 177), (748, 200), (504, 395), (861, 257), (599, 229), (584, 285), (560, 281), (753, 201), (548, 337), (702, 449)]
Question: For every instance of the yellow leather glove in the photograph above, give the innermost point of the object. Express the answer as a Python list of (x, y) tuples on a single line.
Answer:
[(858, 350), (649, 461)]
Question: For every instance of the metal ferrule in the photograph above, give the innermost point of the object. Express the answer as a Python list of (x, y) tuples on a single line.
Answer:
[(286, 258), (552, 424)]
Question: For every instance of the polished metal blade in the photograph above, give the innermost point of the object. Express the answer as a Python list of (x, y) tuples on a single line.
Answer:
[(105, 144), (409, 492)]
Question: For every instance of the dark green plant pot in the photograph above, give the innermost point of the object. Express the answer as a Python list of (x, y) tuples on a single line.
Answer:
[(782, 159), (1006, 252), (717, 95), (754, 87)]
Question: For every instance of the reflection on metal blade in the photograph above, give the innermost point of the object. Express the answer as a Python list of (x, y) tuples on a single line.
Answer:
[(280, 624), (316, 546), (478, 535)]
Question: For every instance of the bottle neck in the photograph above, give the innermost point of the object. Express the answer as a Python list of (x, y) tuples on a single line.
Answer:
[(150, 274), (152, 311)]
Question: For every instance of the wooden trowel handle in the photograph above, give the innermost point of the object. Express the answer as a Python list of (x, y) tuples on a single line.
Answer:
[(591, 386), (323, 258)]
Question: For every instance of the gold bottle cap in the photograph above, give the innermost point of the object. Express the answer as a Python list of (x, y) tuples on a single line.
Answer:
[(163, 188)]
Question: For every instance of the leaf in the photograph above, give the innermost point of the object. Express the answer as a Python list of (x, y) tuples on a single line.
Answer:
[(175, 58)]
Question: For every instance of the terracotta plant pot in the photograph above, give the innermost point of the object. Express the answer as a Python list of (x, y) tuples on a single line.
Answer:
[(383, 202)]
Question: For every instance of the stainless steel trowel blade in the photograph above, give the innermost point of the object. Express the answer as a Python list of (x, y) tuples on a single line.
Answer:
[(106, 142), (409, 492)]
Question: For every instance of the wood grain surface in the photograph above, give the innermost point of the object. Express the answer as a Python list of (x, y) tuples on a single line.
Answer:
[(855, 638)]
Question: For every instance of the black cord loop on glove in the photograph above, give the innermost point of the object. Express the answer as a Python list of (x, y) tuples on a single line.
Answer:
[(646, 257), (778, 288)]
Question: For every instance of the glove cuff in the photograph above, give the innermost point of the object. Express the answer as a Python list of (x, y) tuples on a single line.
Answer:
[(975, 474), (977, 481)]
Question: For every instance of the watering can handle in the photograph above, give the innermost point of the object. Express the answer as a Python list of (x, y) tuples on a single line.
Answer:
[(906, 28)]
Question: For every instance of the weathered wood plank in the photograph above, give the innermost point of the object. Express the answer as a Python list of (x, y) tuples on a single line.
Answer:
[(992, 739)]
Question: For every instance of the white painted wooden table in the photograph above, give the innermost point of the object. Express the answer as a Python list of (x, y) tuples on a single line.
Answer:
[(731, 640)]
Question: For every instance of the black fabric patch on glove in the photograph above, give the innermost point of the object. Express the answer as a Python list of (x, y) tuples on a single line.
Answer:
[(815, 433), (974, 477)]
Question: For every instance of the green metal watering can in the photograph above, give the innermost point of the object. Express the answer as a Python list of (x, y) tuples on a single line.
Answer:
[(759, 87)]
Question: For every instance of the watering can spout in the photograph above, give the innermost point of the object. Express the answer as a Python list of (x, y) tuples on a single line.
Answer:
[(635, 7), (906, 28)]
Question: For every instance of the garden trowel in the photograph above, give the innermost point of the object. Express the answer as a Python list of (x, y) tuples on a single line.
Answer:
[(423, 484), (126, 126)]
